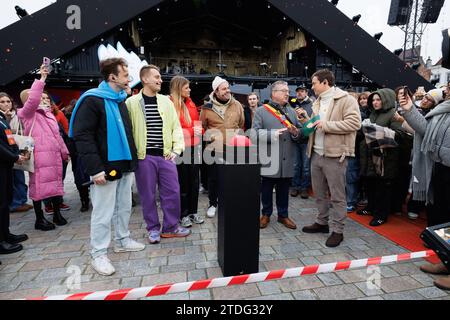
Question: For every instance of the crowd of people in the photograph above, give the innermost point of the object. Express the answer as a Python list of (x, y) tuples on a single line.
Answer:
[(375, 153)]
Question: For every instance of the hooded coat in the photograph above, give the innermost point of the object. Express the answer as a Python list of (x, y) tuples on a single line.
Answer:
[(49, 147), (384, 118)]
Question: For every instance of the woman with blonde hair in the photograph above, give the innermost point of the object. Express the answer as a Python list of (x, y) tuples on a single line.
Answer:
[(188, 169)]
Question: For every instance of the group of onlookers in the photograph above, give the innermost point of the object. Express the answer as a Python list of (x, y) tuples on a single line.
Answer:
[(365, 152)]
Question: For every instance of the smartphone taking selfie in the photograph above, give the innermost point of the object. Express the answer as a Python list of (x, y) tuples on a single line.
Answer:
[(46, 62)]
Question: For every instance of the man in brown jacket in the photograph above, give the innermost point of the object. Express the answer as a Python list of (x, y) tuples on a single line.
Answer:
[(221, 118), (329, 146)]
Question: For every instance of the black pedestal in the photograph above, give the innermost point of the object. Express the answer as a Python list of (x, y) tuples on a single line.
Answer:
[(238, 216), (438, 239)]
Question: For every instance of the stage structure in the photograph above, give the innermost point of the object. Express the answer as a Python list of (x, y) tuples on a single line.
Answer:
[(250, 43)]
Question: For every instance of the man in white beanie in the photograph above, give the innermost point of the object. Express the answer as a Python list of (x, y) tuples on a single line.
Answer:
[(222, 117)]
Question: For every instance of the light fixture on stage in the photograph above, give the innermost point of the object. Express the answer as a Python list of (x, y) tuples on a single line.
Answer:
[(22, 13), (221, 66), (398, 51), (355, 19), (335, 2), (378, 35)]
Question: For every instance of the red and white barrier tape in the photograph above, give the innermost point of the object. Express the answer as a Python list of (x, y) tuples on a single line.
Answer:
[(132, 294)]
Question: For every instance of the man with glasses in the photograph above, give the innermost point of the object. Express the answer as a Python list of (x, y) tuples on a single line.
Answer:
[(101, 128), (276, 124), (329, 146)]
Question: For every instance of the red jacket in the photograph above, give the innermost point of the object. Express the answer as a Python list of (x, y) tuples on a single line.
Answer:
[(190, 139), (61, 118)]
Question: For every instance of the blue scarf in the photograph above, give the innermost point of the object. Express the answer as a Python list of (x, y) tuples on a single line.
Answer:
[(118, 148)]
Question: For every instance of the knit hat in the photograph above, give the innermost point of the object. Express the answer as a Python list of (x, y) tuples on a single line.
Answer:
[(217, 82), (437, 95)]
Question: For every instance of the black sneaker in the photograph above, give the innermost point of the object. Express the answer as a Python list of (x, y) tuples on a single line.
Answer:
[(377, 222), (364, 212)]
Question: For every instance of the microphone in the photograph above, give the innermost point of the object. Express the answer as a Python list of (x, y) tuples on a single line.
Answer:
[(111, 175)]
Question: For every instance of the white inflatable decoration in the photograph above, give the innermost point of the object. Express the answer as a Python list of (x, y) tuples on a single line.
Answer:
[(134, 62)]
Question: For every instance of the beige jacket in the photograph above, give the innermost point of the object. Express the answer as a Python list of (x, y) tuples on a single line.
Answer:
[(219, 131), (340, 125)]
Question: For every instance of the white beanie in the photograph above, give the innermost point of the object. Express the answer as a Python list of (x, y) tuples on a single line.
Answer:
[(437, 95), (217, 82)]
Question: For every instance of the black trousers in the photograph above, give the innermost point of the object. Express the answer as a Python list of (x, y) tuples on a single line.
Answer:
[(401, 186), (213, 187), (439, 211), (204, 170), (379, 194), (415, 206), (6, 187), (188, 177)]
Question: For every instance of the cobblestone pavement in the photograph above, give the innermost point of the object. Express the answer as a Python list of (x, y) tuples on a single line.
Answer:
[(49, 259)]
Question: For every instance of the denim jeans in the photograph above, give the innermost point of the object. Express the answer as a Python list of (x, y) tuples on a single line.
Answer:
[(20, 190), (352, 177), (110, 202), (302, 169)]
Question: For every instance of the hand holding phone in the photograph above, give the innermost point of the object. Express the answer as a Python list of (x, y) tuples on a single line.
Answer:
[(46, 63), (405, 91)]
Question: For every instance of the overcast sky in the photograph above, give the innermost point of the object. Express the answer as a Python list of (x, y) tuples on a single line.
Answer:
[(374, 19)]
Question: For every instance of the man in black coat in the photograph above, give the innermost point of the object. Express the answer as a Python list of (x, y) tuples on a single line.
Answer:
[(302, 177), (101, 128), (9, 154)]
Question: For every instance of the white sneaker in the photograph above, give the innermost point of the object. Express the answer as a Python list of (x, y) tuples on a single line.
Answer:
[(412, 215), (186, 222), (103, 266), (211, 212), (196, 218), (131, 246)]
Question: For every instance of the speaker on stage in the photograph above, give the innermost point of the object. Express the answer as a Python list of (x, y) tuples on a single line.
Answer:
[(239, 175)]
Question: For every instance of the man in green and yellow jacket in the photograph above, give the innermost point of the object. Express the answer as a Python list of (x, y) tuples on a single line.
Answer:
[(159, 140)]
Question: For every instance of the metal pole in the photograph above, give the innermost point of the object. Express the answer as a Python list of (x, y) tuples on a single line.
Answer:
[(415, 30)]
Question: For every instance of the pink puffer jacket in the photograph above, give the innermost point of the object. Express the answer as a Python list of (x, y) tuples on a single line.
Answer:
[(49, 149)]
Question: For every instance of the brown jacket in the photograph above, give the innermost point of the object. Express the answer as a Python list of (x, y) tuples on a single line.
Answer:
[(340, 125), (213, 123)]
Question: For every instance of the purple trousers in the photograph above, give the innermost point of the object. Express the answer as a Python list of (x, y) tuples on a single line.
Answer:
[(157, 171)]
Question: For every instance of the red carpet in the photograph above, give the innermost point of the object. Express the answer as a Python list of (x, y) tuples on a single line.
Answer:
[(399, 229)]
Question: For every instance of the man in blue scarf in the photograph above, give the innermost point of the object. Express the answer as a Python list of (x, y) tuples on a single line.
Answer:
[(101, 128)]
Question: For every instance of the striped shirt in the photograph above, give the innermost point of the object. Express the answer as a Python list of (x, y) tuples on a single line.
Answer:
[(154, 125)]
